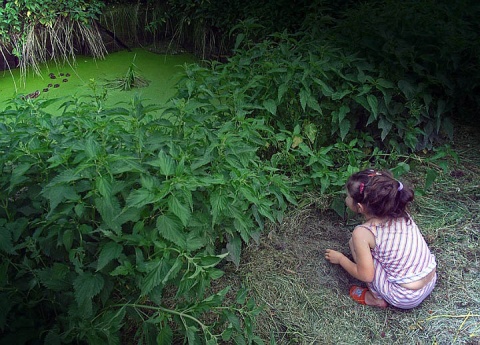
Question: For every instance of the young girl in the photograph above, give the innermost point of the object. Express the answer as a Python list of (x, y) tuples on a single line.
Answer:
[(389, 252)]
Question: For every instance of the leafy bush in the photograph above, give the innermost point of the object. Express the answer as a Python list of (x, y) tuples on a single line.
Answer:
[(428, 48), (110, 216)]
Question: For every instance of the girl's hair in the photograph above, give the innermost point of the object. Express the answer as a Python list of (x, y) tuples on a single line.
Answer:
[(380, 193)]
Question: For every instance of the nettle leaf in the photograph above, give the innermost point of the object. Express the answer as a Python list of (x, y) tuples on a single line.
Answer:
[(173, 271), (270, 105), (282, 89), (234, 248), (178, 209), (407, 88), (57, 193), (109, 209), (109, 252), (104, 186), (165, 336), (171, 229), (67, 239), (373, 103), (140, 197), (344, 128), (86, 286), (385, 126), (342, 112), (92, 148), (165, 163), (17, 176), (304, 96), (219, 202), (6, 244), (384, 84), (55, 277), (65, 176), (156, 271), (326, 90)]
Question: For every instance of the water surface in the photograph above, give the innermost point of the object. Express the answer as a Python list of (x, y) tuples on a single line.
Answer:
[(162, 72)]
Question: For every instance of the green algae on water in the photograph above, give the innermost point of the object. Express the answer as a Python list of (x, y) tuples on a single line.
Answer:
[(58, 81)]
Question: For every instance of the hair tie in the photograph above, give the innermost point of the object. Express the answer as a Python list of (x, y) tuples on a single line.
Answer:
[(400, 186), (361, 188)]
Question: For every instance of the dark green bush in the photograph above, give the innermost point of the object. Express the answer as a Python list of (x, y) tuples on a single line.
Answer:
[(428, 48), (114, 216)]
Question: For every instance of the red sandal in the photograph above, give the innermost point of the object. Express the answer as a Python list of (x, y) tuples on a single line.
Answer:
[(358, 294)]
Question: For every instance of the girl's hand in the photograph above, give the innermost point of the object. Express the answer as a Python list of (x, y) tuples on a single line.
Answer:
[(333, 256)]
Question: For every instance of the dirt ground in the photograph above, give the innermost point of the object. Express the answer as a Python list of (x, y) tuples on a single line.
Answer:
[(306, 300)]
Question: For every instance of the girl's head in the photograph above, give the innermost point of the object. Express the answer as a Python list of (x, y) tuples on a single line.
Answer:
[(379, 193)]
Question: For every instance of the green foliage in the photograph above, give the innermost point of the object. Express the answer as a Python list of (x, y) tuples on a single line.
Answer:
[(120, 215), (329, 113), (428, 48), (17, 14)]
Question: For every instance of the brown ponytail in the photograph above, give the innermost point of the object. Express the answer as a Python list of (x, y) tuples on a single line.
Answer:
[(380, 193)]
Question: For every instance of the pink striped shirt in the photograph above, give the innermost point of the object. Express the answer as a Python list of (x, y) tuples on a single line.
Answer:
[(402, 251)]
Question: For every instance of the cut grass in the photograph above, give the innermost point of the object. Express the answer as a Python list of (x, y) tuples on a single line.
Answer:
[(306, 298)]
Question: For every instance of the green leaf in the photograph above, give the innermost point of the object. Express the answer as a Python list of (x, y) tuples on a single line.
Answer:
[(281, 91), (67, 239), (270, 105), (155, 274), (219, 202), (57, 193), (55, 278), (104, 186), (17, 176), (326, 90), (241, 295), (385, 84), (211, 260), (173, 271), (192, 335), (139, 198), (234, 248), (430, 178), (178, 209), (344, 128), (109, 209), (171, 230), (65, 176), (338, 205), (407, 88), (385, 126), (86, 286), (92, 148), (165, 163), (109, 252), (342, 112), (304, 96), (6, 244), (373, 103), (165, 336)]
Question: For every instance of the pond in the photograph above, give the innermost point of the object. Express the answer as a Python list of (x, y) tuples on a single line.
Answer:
[(161, 71)]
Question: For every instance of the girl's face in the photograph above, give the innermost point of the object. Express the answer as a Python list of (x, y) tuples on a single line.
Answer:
[(351, 204)]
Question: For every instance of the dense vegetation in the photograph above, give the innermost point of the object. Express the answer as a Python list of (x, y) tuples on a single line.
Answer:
[(115, 220)]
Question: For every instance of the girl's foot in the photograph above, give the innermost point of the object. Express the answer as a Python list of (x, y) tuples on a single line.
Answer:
[(364, 296)]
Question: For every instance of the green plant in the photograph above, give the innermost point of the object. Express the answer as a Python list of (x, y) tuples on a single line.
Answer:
[(120, 215), (131, 79)]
